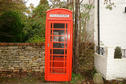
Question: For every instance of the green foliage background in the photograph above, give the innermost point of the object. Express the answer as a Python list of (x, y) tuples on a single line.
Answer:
[(16, 26), (37, 23), (12, 5), (11, 27)]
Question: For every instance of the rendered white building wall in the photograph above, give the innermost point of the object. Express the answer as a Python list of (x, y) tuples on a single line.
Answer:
[(116, 68), (101, 64), (113, 24), (112, 34), (109, 67)]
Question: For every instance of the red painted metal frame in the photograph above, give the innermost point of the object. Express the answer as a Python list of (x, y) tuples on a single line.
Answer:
[(66, 64)]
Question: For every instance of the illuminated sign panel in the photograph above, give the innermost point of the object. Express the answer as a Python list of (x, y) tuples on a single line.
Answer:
[(59, 15)]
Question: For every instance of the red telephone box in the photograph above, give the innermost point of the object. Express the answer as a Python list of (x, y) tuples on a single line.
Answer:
[(58, 45)]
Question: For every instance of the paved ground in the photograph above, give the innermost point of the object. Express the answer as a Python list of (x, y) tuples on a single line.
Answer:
[(32, 78), (36, 78), (26, 81)]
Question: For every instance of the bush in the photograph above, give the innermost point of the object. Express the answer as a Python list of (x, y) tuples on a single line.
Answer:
[(76, 78), (86, 58), (36, 24), (11, 27), (36, 39), (118, 53)]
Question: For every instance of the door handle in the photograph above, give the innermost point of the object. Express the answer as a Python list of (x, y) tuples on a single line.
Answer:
[(48, 44)]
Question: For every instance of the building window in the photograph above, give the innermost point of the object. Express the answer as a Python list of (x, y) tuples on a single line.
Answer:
[(123, 53)]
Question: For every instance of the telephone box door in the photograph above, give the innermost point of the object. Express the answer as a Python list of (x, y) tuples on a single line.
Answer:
[(59, 65)]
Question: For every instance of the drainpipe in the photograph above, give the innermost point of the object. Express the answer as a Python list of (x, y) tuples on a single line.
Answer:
[(98, 17)]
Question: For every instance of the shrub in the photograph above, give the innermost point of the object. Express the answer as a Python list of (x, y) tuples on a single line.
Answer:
[(11, 27), (76, 78), (118, 53), (36, 39), (86, 59)]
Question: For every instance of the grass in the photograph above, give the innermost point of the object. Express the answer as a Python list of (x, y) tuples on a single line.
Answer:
[(76, 79)]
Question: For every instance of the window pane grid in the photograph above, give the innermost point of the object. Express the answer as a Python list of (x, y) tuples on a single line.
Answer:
[(58, 50)]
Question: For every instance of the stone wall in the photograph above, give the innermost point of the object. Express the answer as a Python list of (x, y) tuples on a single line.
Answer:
[(22, 56)]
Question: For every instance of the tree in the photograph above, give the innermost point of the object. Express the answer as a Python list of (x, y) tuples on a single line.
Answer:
[(37, 22), (43, 2), (12, 5), (11, 27), (58, 4), (76, 36), (83, 38)]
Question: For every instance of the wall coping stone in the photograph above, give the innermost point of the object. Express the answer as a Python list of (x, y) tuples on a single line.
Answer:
[(22, 44)]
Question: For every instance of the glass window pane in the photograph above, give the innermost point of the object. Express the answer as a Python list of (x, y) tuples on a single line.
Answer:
[(58, 45), (59, 25), (51, 25), (66, 26), (51, 51), (58, 70), (58, 32), (57, 58), (58, 38), (58, 64), (58, 51), (51, 32)]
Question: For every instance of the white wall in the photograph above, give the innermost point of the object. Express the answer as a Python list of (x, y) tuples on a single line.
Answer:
[(112, 34), (101, 64), (113, 24), (109, 67), (116, 68)]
